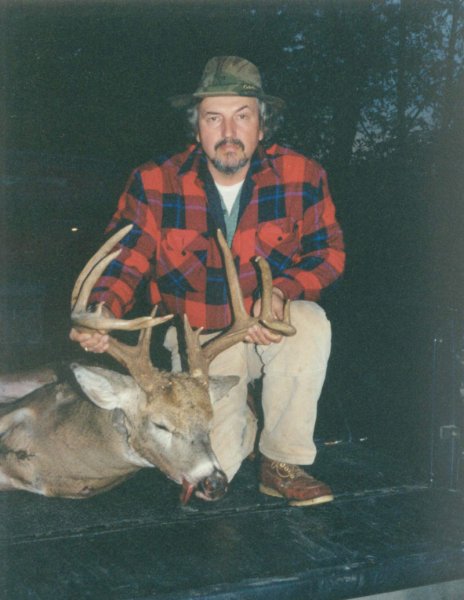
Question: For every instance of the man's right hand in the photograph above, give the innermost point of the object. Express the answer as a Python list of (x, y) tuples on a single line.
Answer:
[(92, 341)]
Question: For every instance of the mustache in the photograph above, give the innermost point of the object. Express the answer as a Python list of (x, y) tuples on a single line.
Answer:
[(226, 141)]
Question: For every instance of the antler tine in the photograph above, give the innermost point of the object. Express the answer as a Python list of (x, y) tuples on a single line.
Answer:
[(145, 334), (136, 358), (197, 361), (266, 288), (235, 292), (241, 317), (123, 353), (137, 361), (94, 268), (80, 301), (79, 290), (266, 316), (241, 320)]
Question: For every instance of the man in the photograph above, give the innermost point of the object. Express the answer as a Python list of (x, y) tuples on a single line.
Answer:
[(270, 202)]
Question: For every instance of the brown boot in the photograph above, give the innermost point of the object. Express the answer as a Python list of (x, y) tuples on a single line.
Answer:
[(293, 483)]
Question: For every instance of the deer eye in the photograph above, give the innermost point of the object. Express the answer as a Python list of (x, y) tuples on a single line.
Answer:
[(162, 427)]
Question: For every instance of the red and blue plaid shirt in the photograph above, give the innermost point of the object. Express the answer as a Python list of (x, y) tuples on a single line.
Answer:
[(286, 215)]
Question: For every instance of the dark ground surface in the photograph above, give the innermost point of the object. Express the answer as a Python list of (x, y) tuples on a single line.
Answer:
[(386, 530)]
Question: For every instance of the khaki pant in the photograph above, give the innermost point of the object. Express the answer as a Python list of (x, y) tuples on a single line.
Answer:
[(293, 373)]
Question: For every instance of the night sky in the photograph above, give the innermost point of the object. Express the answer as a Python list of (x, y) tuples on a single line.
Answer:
[(93, 78)]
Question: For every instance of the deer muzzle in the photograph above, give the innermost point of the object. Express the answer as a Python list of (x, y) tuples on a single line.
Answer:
[(210, 488), (213, 487)]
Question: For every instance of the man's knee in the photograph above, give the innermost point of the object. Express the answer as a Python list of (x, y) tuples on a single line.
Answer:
[(310, 346), (310, 320)]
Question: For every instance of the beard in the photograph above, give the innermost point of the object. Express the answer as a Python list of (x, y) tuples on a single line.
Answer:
[(231, 162)]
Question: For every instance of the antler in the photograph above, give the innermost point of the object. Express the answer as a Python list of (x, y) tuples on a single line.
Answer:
[(135, 358), (200, 357)]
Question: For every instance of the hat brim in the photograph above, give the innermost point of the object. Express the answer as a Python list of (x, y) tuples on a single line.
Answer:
[(188, 100)]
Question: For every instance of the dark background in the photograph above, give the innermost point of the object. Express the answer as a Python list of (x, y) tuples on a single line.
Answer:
[(374, 92)]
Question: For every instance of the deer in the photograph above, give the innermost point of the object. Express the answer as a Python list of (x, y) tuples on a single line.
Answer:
[(79, 438)]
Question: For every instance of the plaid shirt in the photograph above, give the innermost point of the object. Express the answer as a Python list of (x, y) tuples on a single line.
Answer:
[(286, 215)]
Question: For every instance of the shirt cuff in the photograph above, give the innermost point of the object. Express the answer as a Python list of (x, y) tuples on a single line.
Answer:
[(291, 288)]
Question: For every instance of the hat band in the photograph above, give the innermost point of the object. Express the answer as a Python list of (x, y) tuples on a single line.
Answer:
[(239, 89)]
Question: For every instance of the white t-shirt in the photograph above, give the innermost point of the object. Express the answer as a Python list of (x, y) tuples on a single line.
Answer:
[(229, 193)]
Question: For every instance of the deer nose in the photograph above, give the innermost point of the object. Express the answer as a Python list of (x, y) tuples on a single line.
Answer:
[(215, 485)]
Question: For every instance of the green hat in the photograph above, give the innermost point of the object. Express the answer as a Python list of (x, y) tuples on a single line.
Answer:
[(228, 76)]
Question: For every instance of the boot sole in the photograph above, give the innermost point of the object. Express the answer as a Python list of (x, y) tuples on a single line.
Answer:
[(312, 501)]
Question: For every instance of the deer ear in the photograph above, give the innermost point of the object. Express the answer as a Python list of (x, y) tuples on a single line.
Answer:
[(107, 389), (220, 385)]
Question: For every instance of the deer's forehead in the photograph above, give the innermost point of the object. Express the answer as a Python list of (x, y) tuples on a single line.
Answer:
[(181, 390), (183, 399)]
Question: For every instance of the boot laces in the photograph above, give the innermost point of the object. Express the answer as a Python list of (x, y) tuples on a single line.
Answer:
[(285, 470)]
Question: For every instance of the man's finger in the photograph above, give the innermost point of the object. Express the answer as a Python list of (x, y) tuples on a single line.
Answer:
[(262, 336)]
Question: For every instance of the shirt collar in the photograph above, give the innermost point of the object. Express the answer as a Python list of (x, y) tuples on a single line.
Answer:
[(193, 161)]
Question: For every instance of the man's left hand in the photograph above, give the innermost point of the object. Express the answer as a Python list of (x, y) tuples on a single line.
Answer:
[(259, 334)]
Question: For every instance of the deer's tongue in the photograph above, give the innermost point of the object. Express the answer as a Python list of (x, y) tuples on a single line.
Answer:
[(187, 489)]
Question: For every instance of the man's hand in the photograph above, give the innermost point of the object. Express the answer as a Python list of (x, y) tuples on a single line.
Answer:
[(261, 335), (92, 341)]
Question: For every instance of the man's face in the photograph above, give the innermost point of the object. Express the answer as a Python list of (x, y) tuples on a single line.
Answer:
[(229, 132)]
